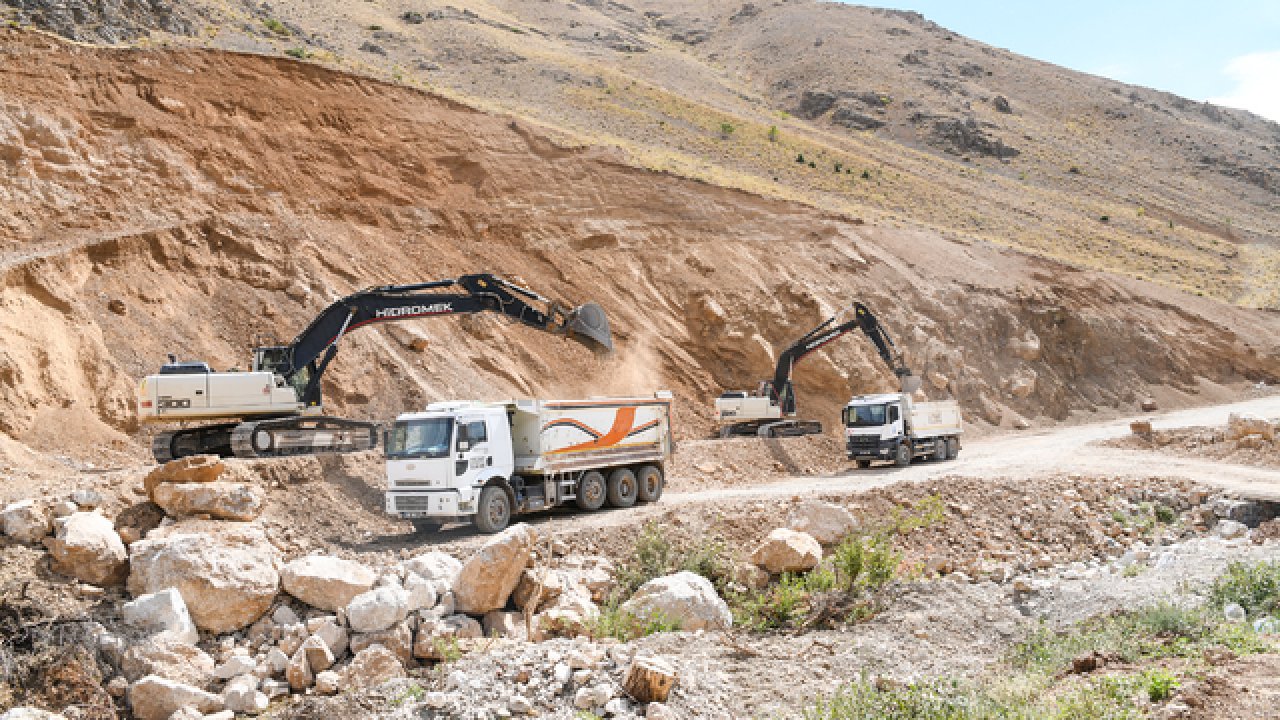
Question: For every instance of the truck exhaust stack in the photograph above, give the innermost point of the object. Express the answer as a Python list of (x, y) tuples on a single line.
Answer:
[(588, 325)]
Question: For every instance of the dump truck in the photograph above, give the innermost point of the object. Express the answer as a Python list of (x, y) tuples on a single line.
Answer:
[(487, 461), (896, 428), (276, 409)]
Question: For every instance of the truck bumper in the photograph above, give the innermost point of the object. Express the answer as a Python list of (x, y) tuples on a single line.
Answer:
[(871, 448), (423, 504)]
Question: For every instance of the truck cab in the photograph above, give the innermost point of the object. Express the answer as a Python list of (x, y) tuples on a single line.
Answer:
[(444, 457)]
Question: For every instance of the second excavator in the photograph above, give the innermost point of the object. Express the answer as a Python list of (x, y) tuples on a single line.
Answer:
[(275, 409), (771, 409)]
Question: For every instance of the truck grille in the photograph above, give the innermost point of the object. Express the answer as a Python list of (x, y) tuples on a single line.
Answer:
[(864, 443), (419, 503)]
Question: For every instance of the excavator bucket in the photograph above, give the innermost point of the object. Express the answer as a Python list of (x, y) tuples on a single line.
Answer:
[(588, 325)]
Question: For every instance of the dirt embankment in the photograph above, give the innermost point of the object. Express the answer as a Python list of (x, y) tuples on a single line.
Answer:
[(190, 203)]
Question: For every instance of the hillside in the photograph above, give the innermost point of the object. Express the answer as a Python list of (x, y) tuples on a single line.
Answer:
[(928, 128), (190, 202)]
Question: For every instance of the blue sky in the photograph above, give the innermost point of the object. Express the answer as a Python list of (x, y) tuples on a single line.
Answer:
[(1226, 51)]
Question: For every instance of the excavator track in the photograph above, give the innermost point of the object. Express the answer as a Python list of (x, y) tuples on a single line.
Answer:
[(207, 440), (282, 437)]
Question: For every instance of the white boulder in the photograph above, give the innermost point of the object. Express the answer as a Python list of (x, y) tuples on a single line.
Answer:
[(162, 615), (787, 551), (378, 610), (219, 500), (372, 667), (228, 580), (488, 577), (1242, 425), (169, 659), (825, 522), (685, 598), (327, 583), (440, 568), (88, 548), (155, 698), (25, 521), (241, 696)]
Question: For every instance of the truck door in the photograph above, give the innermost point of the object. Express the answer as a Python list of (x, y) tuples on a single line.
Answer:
[(896, 423), (471, 451)]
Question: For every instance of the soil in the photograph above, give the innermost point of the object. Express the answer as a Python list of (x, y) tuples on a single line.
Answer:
[(1205, 442)]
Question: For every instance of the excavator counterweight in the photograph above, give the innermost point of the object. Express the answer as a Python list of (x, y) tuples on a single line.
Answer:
[(275, 409)]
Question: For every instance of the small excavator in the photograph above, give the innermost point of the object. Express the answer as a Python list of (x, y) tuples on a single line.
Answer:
[(275, 409), (769, 411)]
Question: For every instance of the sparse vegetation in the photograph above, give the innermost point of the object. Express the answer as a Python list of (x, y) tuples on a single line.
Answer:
[(773, 133), (612, 622), (276, 27), (1253, 586), (800, 158), (412, 694), (298, 52), (726, 130)]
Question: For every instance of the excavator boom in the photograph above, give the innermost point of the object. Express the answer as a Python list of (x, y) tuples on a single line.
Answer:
[(273, 409)]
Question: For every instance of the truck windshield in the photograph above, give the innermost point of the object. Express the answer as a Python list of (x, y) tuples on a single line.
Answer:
[(420, 438), (866, 416)]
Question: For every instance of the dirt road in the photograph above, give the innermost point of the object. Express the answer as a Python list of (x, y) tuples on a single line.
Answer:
[(1061, 450)]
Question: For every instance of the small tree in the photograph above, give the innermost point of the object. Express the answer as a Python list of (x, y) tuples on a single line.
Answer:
[(773, 133), (726, 129), (800, 158)]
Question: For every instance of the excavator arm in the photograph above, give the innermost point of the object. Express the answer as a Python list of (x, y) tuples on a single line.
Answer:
[(304, 361), (863, 319)]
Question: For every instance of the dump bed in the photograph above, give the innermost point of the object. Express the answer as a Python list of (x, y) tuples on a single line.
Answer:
[(550, 436), (933, 419)]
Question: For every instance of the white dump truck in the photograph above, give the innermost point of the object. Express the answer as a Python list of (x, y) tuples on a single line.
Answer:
[(486, 461), (894, 427)]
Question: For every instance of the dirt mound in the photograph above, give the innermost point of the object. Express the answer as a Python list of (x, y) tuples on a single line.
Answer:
[(1205, 442), (250, 205)]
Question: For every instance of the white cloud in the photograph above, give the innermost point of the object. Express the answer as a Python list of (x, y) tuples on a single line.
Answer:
[(1257, 79)]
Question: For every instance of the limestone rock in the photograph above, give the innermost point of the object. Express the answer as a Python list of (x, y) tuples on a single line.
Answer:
[(241, 695), (25, 521), (162, 615), (436, 637), (27, 713), (228, 580), (332, 632), (570, 615), (298, 672), (489, 577), (235, 666), (787, 551), (372, 667), (1230, 529), (1242, 425), (319, 657), (541, 584), (825, 522), (219, 500), (327, 583), (88, 548), (327, 682), (193, 469), (377, 610), (422, 592), (504, 624), (155, 698), (398, 639), (684, 598), (169, 659), (438, 567)]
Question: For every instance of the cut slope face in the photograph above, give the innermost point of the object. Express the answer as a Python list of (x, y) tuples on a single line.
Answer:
[(874, 112), (203, 199)]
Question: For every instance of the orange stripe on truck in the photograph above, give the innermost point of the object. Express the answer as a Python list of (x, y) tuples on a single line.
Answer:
[(623, 421)]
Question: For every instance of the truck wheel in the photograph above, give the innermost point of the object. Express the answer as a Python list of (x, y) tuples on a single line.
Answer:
[(591, 492), (903, 457), (622, 488), (493, 512), (649, 483), (940, 449), (953, 448), (864, 463)]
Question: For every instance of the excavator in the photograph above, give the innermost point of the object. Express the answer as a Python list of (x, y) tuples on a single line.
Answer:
[(275, 409), (768, 412)]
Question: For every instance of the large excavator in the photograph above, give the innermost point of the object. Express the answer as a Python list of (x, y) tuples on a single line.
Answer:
[(275, 409), (768, 412)]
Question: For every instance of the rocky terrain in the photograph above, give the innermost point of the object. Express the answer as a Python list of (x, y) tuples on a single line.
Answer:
[(1246, 440), (874, 113)]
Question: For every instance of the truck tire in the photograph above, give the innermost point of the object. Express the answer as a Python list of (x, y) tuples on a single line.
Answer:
[(623, 489), (863, 463), (953, 448), (940, 449), (649, 483), (903, 456), (591, 491), (493, 511)]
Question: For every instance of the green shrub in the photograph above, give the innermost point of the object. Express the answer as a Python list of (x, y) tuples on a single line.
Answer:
[(773, 133), (654, 556), (778, 606), (1165, 514), (1253, 586), (612, 622), (800, 158), (866, 174), (1159, 684), (865, 562), (276, 27), (298, 52), (726, 129)]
